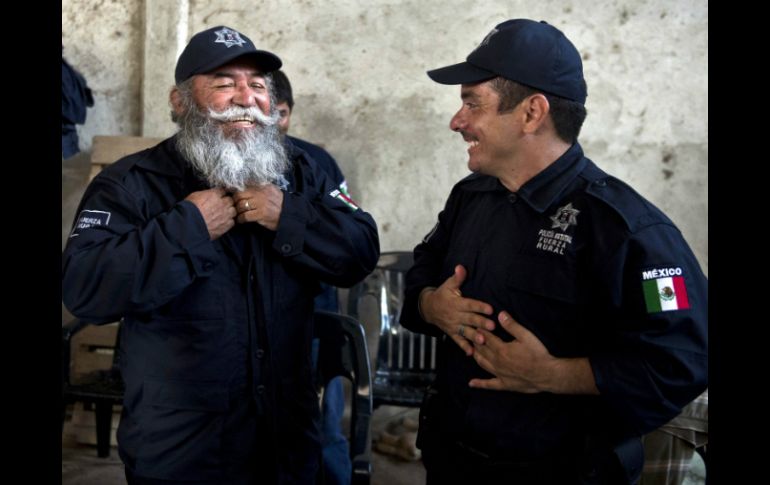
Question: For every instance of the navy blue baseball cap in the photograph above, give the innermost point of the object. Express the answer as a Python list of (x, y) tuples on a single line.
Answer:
[(532, 53), (217, 46)]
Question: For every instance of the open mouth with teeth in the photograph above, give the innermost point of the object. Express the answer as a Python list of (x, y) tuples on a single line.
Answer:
[(242, 121)]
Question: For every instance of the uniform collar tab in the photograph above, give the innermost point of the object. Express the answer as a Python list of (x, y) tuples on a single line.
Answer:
[(544, 188)]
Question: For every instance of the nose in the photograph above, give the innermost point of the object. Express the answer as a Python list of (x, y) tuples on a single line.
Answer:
[(457, 123), (244, 95)]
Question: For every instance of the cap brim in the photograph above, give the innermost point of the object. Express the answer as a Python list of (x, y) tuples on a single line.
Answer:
[(462, 73), (266, 62)]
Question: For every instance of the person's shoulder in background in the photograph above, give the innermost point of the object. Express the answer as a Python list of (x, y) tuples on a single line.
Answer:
[(324, 160)]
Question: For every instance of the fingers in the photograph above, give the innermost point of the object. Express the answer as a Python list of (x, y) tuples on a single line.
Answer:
[(455, 281), (519, 331), (495, 384), (508, 323)]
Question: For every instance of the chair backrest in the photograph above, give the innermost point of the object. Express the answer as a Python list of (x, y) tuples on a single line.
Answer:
[(342, 352), (405, 362), (107, 149)]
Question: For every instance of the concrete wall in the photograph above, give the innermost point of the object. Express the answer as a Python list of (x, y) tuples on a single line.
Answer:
[(358, 70)]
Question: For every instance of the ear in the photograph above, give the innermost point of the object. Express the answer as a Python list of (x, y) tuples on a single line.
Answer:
[(175, 98), (536, 112)]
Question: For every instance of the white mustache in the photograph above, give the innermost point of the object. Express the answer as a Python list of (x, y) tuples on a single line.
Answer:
[(236, 113)]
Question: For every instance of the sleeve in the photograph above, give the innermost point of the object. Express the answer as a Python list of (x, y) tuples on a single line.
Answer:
[(325, 232), (656, 360), (119, 262), (429, 258)]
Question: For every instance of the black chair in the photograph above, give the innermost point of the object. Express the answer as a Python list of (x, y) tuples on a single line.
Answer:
[(405, 363), (342, 352), (102, 388)]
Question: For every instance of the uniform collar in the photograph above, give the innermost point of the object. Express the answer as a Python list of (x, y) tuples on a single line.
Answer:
[(542, 190)]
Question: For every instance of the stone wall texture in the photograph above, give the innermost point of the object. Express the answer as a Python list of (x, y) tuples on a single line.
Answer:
[(358, 72)]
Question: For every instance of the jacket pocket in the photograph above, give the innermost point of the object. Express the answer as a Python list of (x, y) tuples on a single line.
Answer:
[(181, 429)]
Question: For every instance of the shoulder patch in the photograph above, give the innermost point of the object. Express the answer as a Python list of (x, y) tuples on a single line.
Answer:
[(664, 289), (90, 218), (337, 194)]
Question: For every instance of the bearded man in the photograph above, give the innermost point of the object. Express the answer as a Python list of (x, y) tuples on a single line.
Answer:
[(210, 247)]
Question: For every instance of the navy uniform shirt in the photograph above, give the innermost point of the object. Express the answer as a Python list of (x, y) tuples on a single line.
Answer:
[(593, 270), (209, 325)]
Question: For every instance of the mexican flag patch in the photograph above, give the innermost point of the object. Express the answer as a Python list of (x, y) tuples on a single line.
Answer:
[(664, 290), (344, 198)]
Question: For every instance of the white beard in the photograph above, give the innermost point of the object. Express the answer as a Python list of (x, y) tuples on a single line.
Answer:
[(253, 157)]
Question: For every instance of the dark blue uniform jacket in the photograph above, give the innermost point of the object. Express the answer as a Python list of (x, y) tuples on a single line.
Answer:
[(581, 260), (210, 323)]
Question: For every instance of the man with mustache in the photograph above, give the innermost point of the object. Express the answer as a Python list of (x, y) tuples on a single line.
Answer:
[(210, 246), (573, 314)]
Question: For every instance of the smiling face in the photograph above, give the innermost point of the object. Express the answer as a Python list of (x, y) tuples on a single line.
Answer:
[(491, 136), (231, 93), (227, 131)]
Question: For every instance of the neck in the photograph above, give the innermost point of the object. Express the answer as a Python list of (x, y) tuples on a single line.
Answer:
[(530, 161)]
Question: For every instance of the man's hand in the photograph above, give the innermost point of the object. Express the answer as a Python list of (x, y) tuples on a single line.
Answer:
[(525, 365), (261, 204), (446, 308), (217, 210)]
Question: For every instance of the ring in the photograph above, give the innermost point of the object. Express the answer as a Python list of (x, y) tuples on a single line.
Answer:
[(246, 205), (462, 330)]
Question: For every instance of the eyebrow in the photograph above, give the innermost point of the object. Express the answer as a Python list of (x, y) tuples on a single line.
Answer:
[(468, 94)]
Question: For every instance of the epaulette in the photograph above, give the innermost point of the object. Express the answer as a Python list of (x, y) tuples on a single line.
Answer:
[(636, 211)]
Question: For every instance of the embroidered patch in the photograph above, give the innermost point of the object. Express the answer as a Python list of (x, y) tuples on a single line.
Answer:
[(344, 188), (565, 216), (90, 218), (664, 290), (552, 241), (229, 37), (344, 199)]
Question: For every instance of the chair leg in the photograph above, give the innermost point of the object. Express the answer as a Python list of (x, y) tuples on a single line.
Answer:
[(103, 428)]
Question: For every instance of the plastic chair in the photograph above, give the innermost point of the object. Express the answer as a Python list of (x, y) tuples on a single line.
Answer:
[(102, 388), (342, 352), (405, 363)]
